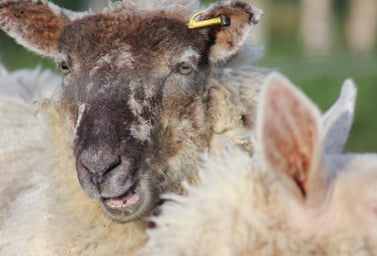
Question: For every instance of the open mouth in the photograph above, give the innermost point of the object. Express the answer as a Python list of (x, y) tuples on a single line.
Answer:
[(123, 207)]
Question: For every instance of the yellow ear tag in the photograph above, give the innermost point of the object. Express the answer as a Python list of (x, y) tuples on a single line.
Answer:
[(223, 20)]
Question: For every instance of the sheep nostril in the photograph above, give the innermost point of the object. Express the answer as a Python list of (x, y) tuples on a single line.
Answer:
[(100, 162)]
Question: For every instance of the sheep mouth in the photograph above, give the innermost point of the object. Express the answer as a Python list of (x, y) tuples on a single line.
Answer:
[(124, 207)]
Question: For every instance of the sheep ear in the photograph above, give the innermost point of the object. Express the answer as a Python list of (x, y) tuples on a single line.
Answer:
[(337, 121), (289, 137), (228, 38), (35, 24)]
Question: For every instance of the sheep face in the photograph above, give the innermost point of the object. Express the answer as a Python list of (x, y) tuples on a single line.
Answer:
[(138, 86), (138, 95)]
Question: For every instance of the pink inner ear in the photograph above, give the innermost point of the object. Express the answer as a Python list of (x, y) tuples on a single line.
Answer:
[(289, 131)]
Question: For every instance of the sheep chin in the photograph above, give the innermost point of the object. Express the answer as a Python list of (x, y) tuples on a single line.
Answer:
[(132, 205)]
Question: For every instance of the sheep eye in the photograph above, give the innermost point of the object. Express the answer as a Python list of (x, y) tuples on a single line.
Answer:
[(185, 69), (64, 66)]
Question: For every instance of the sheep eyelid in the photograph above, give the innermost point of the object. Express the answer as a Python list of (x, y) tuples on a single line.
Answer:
[(63, 64), (184, 68), (64, 67)]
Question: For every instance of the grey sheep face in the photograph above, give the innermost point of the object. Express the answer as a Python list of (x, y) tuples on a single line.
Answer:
[(138, 86), (130, 91)]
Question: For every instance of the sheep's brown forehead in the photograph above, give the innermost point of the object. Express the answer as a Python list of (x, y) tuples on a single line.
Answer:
[(145, 37)]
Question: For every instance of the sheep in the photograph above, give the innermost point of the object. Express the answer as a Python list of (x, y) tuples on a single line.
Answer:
[(142, 96), (44, 211), (20, 130), (298, 195)]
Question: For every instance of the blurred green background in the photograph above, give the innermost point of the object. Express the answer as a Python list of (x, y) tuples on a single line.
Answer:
[(285, 31)]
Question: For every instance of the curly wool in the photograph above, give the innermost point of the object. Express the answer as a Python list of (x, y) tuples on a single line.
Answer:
[(238, 210)]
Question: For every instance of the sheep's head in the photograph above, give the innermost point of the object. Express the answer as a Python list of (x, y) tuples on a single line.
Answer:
[(298, 195), (323, 189), (137, 87)]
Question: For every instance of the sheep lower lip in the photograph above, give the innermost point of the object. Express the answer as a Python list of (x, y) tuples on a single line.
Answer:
[(125, 201)]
